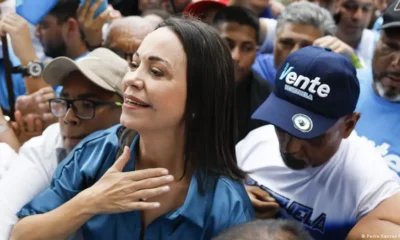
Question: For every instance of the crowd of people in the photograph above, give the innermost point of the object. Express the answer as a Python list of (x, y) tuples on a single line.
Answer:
[(203, 119)]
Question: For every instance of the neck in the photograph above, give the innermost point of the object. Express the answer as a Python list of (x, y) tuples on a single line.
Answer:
[(162, 150), (353, 40), (76, 49)]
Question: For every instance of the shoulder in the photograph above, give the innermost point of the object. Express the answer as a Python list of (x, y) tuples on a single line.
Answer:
[(231, 204), (7, 157), (261, 136), (368, 174), (103, 143), (362, 161), (49, 136), (42, 149)]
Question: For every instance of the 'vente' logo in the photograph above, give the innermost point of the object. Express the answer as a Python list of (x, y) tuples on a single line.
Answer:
[(293, 81), (397, 7)]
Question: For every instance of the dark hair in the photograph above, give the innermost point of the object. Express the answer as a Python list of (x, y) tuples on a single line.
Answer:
[(65, 9), (209, 112), (265, 230), (239, 15)]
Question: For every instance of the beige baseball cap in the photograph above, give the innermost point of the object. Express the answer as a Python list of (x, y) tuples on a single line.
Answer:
[(101, 66)]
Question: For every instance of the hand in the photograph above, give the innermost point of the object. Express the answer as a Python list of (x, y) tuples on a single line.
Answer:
[(92, 28), (37, 104), (335, 44), (119, 191), (28, 127), (264, 205), (18, 29), (277, 8)]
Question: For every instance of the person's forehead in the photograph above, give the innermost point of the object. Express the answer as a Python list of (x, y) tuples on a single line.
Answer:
[(163, 43), (237, 31), (49, 18)]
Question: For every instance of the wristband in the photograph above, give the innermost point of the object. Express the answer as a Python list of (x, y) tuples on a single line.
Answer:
[(356, 62)]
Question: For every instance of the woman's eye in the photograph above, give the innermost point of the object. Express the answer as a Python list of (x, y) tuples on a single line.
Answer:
[(133, 65), (156, 72)]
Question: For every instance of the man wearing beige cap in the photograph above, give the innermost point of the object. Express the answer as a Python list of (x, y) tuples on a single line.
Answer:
[(90, 101)]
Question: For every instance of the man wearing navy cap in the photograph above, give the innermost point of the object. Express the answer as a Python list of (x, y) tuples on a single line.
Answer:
[(308, 160)]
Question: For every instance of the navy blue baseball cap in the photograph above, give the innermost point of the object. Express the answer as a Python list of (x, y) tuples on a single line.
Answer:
[(314, 87)]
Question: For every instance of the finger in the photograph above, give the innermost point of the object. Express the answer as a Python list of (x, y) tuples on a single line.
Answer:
[(93, 9), (48, 117), (261, 194), (85, 9), (150, 183), (103, 17), (122, 160), (335, 46), (146, 173), (19, 121), (15, 128), (263, 206), (149, 193), (324, 41), (46, 90), (44, 107), (38, 125), (7, 28), (141, 206), (43, 98), (30, 123)]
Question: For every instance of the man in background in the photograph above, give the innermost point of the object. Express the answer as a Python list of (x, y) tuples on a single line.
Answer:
[(240, 28)]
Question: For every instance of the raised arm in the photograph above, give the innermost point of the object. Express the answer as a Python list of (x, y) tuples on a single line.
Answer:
[(115, 192)]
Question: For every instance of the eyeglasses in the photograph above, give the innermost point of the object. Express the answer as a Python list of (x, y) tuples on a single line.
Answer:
[(83, 109)]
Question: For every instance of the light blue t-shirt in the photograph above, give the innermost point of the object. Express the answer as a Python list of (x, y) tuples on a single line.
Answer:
[(17, 79), (200, 217), (379, 122)]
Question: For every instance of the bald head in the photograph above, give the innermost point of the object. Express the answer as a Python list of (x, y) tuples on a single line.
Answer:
[(126, 34), (265, 230)]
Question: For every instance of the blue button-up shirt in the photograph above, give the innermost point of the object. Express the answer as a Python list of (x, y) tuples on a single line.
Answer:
[(200, 217)]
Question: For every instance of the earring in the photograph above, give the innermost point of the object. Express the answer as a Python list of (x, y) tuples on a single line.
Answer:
[(193, 115)]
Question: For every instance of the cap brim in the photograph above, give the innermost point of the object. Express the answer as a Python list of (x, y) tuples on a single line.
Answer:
[(280, 113), (197, 8), (390, 25), (58, 69)]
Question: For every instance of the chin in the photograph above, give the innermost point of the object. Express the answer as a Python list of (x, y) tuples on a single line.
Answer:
[(131, 123)]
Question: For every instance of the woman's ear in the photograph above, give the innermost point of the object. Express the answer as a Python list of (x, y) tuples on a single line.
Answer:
[(350, 123)]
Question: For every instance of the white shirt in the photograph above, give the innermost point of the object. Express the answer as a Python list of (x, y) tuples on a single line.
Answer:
[(7, 156), (28, 175), (328, 200), (365, 50)]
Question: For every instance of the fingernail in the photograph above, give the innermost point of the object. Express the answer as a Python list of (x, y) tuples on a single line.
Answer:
[(165, 189), (156, 205), (270, 199), (164, 172), (169, 178)]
